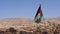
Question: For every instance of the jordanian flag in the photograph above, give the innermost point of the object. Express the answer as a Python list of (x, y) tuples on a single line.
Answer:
[(39, 15)]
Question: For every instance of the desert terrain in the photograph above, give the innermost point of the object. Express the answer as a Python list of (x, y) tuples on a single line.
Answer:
[(28, 26)]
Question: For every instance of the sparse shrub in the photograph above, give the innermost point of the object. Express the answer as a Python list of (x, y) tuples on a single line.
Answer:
[(22, 32), (12, 30), (1, 32), (45, 32)]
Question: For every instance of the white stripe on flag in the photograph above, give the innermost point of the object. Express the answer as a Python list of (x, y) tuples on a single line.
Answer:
[(37, 17)]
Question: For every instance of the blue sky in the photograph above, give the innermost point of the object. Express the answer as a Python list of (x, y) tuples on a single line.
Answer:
[(28, 8)]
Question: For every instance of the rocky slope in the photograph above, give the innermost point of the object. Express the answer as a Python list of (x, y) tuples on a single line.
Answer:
[(28, 26)]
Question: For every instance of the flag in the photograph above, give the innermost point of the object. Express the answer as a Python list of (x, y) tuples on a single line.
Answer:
[(39, 15)]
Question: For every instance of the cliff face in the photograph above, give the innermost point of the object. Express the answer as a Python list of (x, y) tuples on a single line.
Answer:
[(28, 26)]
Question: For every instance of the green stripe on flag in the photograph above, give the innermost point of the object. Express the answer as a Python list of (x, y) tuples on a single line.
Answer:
[(40, 19)]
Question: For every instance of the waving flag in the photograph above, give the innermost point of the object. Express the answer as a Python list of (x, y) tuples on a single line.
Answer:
[(39, 15)]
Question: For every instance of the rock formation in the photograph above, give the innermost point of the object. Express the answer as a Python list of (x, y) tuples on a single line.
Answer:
[(28, 26)]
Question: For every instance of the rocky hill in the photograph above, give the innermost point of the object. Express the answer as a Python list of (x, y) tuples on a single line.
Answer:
[(28, 26)]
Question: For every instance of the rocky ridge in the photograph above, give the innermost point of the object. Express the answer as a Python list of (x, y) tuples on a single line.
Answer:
[(28, 26)]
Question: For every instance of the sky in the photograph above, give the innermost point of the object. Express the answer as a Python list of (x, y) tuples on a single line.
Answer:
[(28, 8)]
